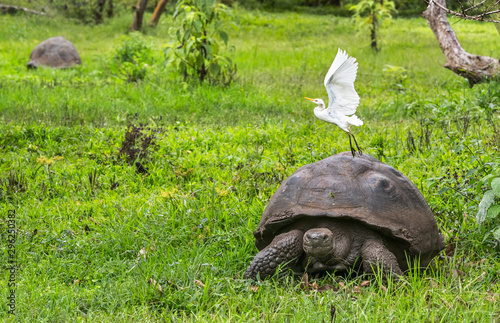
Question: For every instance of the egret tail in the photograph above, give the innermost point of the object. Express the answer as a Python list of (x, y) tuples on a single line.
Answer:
[(354, 121)]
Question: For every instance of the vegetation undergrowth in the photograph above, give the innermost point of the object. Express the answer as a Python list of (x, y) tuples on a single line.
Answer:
[(136, 199)]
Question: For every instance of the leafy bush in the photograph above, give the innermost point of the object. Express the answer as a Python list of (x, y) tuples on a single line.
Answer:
[(195, 52), (133, 58)]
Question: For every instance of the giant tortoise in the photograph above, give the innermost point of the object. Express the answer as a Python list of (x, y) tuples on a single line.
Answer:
[(54, 52), (344, 212)]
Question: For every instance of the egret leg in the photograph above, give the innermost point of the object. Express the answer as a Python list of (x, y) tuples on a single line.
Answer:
[(353, 151), (360, 151)]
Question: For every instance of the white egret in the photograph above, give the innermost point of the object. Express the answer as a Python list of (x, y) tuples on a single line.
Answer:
[(342, 97)]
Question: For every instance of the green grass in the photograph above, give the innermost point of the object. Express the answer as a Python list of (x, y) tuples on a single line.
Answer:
[(221, 153)]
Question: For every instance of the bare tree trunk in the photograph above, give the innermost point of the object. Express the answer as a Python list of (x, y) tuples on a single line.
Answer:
[(475, 68), (99, 10), (158, 11), (138, 15), (110, 11), (373, 33)]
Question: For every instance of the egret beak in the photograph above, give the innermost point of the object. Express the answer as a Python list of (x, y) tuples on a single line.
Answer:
[(309, 99)]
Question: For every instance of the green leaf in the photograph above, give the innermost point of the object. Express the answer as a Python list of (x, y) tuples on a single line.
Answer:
[(177, 11), (470, 172), (214, 69), (215, 48), (444, 190), (197, 25), (189, 44), (496, 234), (493, 211), (182, 65), (187, 34), (495, 186), (199, 61), (208, 50), (484, 205), (178, 35), (224, 36)]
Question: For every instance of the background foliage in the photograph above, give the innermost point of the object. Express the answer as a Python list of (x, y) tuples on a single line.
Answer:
[(82, 10)]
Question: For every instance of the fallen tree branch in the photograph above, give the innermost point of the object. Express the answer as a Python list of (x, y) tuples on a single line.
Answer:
[(475, 68), (13, 9)]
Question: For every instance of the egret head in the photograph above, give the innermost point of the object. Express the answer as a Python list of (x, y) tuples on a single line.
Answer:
[(319, 102)]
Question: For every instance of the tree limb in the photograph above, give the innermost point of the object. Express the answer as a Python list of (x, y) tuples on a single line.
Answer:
[(475, 68), (475, 6), (464, 16)]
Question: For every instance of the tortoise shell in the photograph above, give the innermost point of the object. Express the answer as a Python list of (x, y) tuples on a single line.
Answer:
[(54, 52), (361, 189)]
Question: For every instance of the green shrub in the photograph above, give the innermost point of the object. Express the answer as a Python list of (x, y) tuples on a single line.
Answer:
[(133, 58), (196, 50)]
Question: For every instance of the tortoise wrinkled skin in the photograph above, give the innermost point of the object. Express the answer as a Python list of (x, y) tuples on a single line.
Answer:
[(365, 212), (55, 52)]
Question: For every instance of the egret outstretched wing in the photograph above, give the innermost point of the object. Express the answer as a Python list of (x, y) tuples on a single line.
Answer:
[(339, 83)]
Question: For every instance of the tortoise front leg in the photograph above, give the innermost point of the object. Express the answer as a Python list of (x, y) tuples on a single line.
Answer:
[(285, 249), (375, 255)]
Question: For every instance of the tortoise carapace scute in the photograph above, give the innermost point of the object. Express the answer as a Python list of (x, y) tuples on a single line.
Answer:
[(344, 212)]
